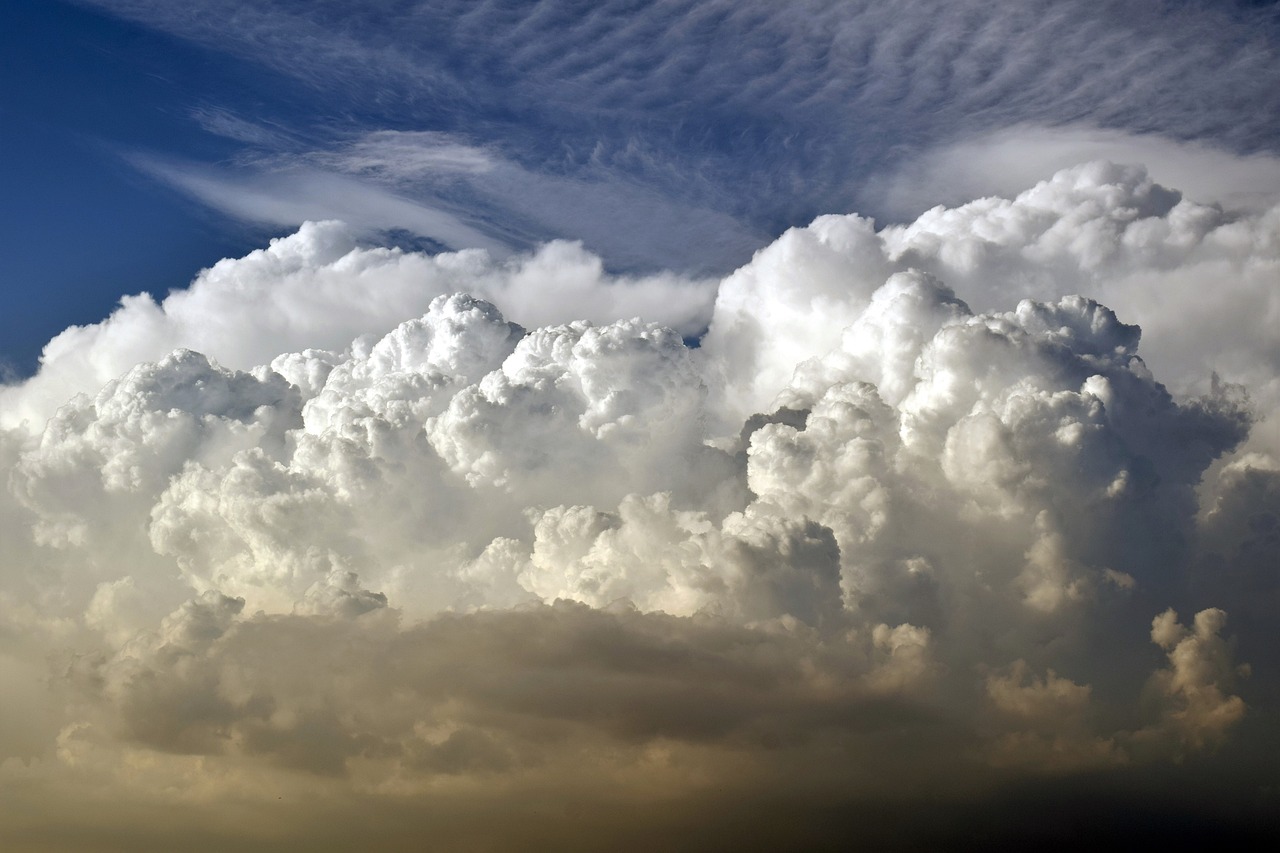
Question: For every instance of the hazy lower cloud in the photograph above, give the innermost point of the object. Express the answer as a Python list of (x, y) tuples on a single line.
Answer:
[(1005, 161), (346, 538)]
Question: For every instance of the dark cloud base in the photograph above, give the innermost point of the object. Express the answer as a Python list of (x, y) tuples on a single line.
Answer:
[(1187, 810)]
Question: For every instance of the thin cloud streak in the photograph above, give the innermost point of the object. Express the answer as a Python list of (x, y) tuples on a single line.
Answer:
[(296, 195)]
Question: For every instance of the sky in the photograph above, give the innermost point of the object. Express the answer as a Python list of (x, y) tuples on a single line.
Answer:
[(716, 425)]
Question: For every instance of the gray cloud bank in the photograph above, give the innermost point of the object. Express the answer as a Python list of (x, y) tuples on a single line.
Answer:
[(923, 535)]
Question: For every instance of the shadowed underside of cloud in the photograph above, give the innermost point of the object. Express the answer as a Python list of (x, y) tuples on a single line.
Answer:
[(344, 535)]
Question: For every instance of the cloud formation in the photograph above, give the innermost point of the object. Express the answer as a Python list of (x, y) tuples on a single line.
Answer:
[(916, 522)]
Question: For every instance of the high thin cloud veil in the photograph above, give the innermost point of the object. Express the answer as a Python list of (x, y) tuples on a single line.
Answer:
[(360, 547)]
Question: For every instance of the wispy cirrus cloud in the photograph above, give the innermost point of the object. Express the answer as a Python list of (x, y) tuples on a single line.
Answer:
[(765, 114), (461, 196)]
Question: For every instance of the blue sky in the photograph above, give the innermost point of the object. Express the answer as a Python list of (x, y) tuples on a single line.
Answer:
[(144, 140), (82, 226)]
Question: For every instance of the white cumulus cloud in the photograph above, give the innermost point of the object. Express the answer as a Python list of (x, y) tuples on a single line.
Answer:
[(917, 515)]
